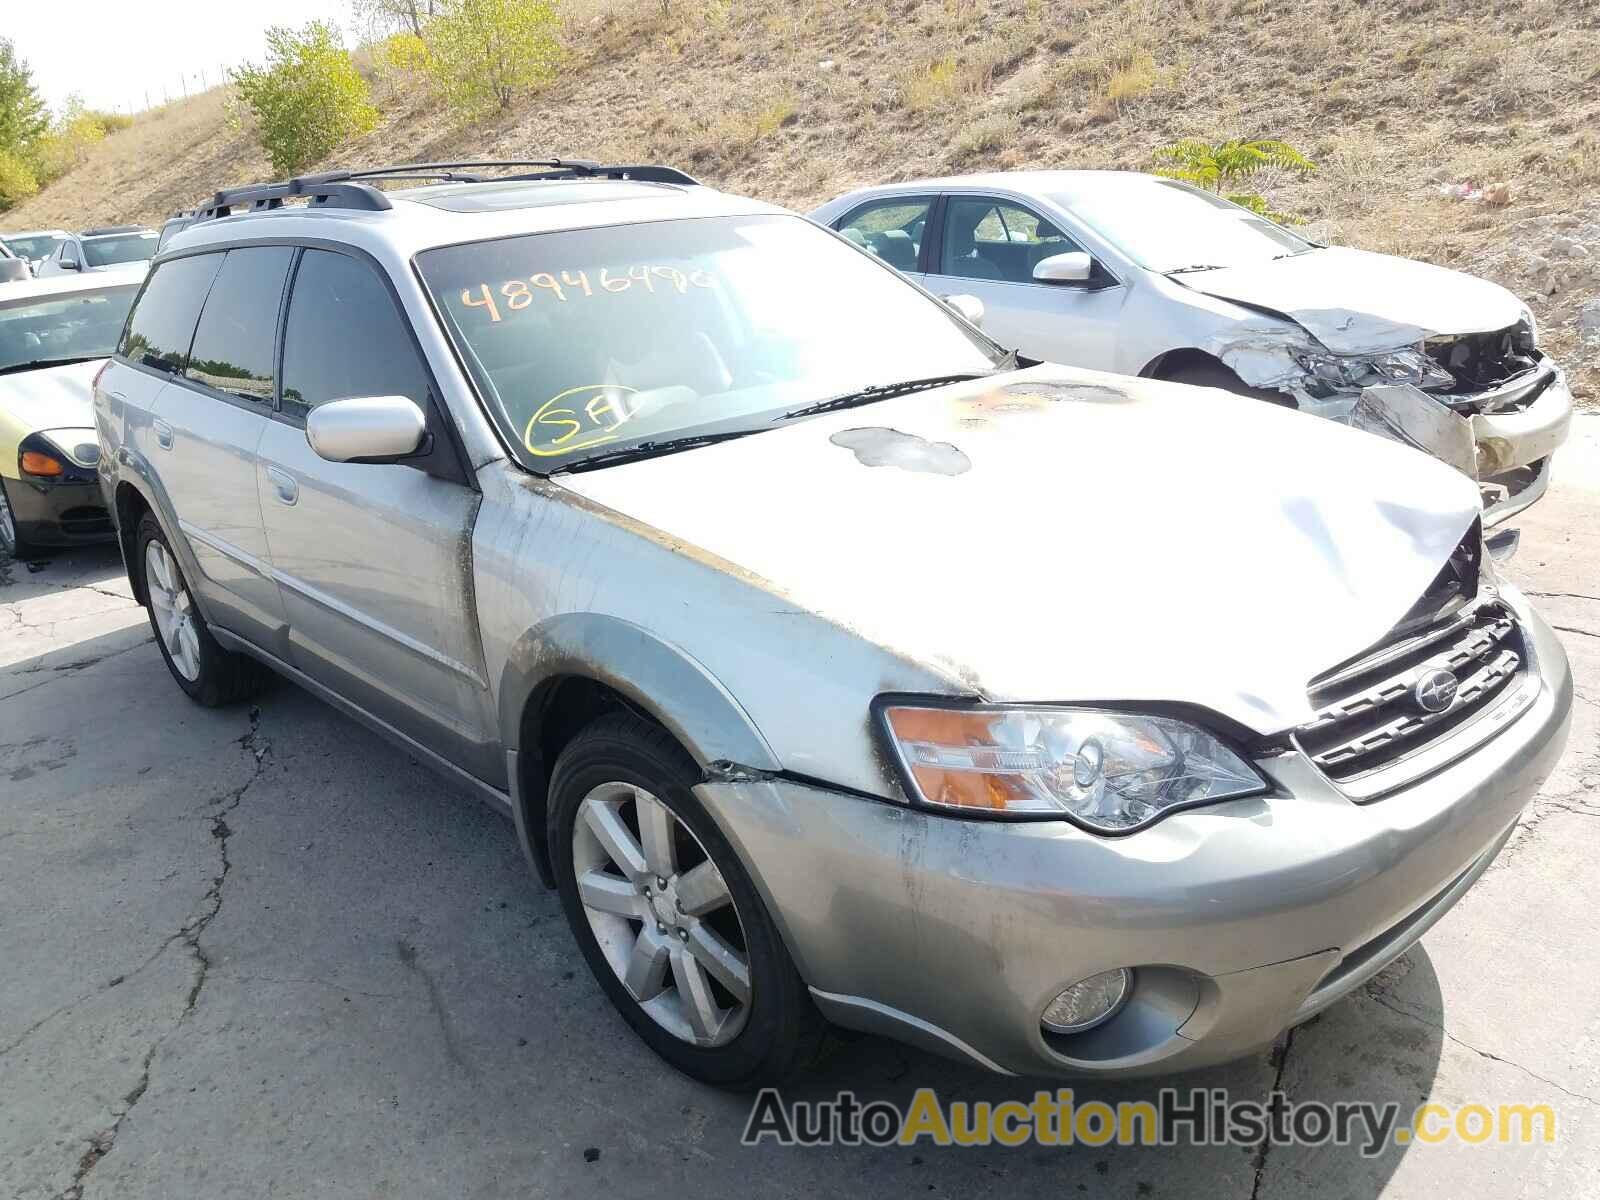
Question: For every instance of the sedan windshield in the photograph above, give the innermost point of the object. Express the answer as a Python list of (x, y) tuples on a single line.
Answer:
[(591, 341), (123, 248), (63, 328), (1166, 226), (42, 246)]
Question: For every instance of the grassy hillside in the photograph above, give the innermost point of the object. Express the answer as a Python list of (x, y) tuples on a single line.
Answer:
[(799, 100)]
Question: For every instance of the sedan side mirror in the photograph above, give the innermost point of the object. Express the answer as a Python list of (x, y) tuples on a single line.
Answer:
[(968, 307), (1075, 267), (69, 264), (366, 429)]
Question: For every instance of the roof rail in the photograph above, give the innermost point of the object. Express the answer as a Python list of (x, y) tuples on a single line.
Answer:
[(351, 189)]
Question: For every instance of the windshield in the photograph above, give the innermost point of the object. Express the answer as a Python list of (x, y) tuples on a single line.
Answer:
[(1164, 225), (42, 246), (63, 328), (592, 340), (123, 248)]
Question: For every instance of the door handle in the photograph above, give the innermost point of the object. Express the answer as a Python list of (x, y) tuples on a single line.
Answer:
[(283, 484), (163, 433)]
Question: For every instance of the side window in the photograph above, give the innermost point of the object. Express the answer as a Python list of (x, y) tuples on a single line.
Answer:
[(996, 240), (233, 344), (161, 325), (345, 337), (892, 229)]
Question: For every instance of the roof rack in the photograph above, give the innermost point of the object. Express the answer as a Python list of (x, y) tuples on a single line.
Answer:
[(354, 190)]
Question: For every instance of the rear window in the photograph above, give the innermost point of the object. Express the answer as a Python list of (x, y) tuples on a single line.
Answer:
[(233, 344), (123, 248), (63, 328), (162, 325)]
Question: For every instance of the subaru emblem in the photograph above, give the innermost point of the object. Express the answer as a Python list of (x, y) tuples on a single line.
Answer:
[(1435, 690)]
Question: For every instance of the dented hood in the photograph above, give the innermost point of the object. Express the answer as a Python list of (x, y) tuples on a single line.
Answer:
[(1060, 535), (1356, 302)]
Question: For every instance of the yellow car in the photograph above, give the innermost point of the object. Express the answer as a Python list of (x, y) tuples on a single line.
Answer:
[(54, 335)]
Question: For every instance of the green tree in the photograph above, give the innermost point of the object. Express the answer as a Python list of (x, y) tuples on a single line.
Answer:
[(17, 180), (484, 53), (1220, 166), (307, 98), (23, 116)]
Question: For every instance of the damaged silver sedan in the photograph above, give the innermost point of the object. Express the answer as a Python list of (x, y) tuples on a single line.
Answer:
[(830, 667), (1147, 276)]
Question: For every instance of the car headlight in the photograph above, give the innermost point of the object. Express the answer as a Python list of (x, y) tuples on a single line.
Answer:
[(77, 446), (1341, 371), (1111, 772)]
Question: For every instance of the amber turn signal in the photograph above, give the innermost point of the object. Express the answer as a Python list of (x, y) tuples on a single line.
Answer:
[(36, 462)]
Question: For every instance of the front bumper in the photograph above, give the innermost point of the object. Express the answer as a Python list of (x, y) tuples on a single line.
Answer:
[(68, 512), (1240, 920)]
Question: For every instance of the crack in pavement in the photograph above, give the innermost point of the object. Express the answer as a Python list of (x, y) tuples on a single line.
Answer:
[(452, 1049), (1400, 1008), (1563, 596), (1275, 1097), (1575, 629), (68, 669), (210, 904)]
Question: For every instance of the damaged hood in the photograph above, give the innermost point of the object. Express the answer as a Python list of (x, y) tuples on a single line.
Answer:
[(1356, 302), (49, 398), (1063, 535)]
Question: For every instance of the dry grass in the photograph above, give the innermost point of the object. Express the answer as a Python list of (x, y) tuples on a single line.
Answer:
[(1391, 102)]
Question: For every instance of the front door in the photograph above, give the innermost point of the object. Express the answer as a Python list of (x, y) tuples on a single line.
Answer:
[(373, 560), (989, 248)]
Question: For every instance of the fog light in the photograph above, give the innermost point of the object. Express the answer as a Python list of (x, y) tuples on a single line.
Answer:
[(1088, 1003)]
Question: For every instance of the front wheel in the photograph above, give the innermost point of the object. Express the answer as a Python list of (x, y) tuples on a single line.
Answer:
[(206, 672), (665, 914), (11, 541)]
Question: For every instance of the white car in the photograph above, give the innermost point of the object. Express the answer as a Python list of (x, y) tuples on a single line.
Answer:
[(1142, 275)]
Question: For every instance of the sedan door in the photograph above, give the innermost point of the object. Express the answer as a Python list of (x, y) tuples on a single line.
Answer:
[(374, 560), (987, 247)]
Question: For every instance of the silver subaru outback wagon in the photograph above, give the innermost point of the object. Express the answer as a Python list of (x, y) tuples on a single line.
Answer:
[(832, 666)]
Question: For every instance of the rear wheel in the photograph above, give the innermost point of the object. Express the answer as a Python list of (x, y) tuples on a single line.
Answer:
[(205, 671), (665, 914), (11, 542)]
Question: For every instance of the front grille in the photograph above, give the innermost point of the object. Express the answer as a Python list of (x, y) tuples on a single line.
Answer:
[(1369, 717)]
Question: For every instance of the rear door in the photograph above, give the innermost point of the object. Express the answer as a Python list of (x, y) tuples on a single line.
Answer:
[(894, 228), (988, 247), (208, 424), (374, 560)]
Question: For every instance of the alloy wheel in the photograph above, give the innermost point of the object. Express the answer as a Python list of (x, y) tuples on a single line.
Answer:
[(173, 609), (662, 914), (8, 525)]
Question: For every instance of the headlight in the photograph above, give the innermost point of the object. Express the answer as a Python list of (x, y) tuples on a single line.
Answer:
[(1338, 371), (74, 445), (1111, 772)]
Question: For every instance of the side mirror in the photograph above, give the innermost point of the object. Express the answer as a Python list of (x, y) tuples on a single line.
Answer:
[(69, 264), (1075, 267), (969, 307), (366, 429)]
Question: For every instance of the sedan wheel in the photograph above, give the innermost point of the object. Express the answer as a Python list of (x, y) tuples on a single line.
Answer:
[(173, 611), (662, 914)]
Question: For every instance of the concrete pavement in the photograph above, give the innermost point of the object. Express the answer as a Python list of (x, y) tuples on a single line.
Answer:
[(259, 952)]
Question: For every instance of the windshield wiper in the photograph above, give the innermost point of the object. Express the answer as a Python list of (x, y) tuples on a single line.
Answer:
[(653, 449), (877, 391), (1196, 267), (41, 363)]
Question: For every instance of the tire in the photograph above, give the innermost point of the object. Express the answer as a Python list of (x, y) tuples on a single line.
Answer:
[(609, 777), (208, 674), (1209, 373), (12, 542)]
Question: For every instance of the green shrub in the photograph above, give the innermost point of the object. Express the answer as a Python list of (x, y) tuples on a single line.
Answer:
[(17, 181), (307, 98), (1223, 165), (483, 53)]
